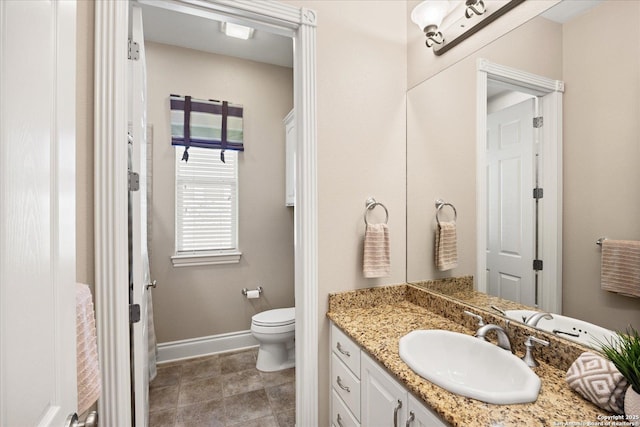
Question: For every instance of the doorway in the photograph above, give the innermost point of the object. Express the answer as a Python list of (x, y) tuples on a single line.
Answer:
[(545, 257), (111, 213)]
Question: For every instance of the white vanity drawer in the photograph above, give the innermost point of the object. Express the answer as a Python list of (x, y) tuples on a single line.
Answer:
[(346, 350), (340, 415), (346, 385)]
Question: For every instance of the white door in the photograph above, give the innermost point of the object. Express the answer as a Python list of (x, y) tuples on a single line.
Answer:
[(37, 213), (510, 183), (139, 259)]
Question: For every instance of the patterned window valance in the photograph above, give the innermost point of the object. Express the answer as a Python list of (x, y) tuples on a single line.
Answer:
[(205, 124)]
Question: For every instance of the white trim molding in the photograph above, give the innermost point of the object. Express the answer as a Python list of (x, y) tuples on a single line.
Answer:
[(203, 346), (111, 26), (550, 91), (206, 259), (110, 206)]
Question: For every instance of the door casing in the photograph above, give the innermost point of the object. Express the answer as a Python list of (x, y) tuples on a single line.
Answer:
[(550, 298)]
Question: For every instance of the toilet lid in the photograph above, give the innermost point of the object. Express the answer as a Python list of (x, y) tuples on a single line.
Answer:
[(276, 317)]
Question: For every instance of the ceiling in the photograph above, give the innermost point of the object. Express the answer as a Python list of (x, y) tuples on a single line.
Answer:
[(199, 33), (566, 10)]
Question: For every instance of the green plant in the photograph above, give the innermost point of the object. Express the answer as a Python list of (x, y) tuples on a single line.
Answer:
[(624, 352)]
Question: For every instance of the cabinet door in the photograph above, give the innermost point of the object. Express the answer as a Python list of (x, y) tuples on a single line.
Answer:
[(383, 398), (421, 416)]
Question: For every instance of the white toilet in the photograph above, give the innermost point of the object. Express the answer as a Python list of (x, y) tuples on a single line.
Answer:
[(275, 330)]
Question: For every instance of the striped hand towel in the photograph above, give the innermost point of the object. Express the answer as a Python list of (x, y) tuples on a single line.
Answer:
[(446, 246), (599, 381), (620, 268), (377, 262)]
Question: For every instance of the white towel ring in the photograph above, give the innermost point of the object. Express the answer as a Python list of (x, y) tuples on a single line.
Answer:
[(371, 204), (439, 205)]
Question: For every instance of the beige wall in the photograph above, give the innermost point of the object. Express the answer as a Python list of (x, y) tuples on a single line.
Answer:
[(601, 155), (441, 142), (84, 143), (207, 300), (361, 72)]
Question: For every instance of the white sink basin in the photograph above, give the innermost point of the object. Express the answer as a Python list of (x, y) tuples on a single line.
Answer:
[(572, 329), (469, 367)]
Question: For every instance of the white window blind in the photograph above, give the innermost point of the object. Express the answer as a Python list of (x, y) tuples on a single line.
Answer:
[(206, 202)]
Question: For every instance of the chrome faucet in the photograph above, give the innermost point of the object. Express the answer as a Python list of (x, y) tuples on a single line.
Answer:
[(529, 344), (503, 338), (535, 318)]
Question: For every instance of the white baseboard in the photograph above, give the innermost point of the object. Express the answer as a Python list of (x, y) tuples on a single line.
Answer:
[(203, 346)]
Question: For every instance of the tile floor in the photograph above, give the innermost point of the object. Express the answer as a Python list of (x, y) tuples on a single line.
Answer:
[(222, 390)]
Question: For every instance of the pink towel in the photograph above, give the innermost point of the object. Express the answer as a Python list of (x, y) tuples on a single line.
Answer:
[(377, 262), (88, 369)]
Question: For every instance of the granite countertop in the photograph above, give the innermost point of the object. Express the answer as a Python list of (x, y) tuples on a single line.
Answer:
[(378, 320)]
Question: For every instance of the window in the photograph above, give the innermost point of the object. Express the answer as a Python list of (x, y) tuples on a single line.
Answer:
[(206, 208)]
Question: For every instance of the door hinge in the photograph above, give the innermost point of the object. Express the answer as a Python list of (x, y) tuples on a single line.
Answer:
[(134, 50), (537, 122), (134, 313), (538, 193), (537, 264), (134, 181)]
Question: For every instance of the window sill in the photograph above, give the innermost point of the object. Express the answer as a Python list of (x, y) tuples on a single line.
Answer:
[(194, 260)]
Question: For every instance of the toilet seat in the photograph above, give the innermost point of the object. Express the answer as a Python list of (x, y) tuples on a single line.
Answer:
[(276, 317)]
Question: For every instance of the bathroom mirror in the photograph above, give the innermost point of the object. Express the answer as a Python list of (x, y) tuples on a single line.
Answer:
[(598, 195)]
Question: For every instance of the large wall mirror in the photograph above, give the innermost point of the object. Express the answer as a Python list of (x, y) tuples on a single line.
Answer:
[(597, 191)]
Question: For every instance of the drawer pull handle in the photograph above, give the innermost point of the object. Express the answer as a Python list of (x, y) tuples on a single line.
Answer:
[(343, 351), (342, 386), (339, 421), (395, 413), (412, 417)]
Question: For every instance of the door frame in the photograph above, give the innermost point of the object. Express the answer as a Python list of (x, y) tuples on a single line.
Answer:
[(550, 297), (111, 263)]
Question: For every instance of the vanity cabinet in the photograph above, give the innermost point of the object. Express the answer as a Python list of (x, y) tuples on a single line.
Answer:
[(290, 160), (365, 394), (345, 380)]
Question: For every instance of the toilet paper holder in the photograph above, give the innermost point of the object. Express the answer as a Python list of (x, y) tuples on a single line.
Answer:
[(245, 290)]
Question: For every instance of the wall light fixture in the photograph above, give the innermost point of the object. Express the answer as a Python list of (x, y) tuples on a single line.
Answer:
[(458, 19), (428, 15), (474, 7)]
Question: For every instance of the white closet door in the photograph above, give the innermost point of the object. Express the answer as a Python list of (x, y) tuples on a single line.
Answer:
[(510, 183), (138, 233), (37, 213)]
